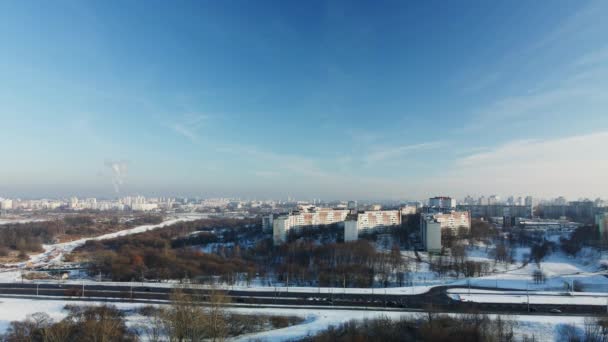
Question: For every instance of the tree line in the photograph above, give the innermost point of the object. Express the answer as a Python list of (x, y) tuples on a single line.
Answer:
[(28, 237)]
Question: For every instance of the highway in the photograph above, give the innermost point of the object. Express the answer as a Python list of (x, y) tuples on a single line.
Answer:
[(434, 300)]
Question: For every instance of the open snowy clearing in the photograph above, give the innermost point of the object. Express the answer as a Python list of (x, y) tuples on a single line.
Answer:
[(545, 328), (531, 298), (53, 254), (21, 220)]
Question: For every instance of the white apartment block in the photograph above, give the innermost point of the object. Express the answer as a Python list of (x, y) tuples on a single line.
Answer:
[(409, 210), (298, 220), (144, 206), (6, 204), (370, 220), (356, 223), (430, 232), (432, 225), (454, 220)]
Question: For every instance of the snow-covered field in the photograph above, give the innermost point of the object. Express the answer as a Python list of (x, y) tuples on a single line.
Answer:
[(54, 253), (541, 297), (544, 328), (20, 220), (586, 269)]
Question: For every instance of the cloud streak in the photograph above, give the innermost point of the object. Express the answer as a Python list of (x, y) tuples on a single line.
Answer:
[(569, 166), (189, 127), (399, 151)]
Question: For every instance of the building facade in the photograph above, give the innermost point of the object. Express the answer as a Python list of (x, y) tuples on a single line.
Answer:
[(498, 210), (455, 221), (314, 217), (601, 220), (430, 233), (578, 211), (267, 223), (354, 223), (442, 203), (432, 226)]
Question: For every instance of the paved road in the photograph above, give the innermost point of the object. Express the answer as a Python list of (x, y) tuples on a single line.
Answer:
[(436, 299)]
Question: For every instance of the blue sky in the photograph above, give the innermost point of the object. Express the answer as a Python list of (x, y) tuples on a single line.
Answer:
[(367, 100)]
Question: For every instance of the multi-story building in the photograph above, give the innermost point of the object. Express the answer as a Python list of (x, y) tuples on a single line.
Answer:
[(430, 233), (6, 204), (493, 200), (366, 221), (375, 207), (578, 211), (469, 200), (601, 220), (354, 223), (313, 217), (280, 227), (267, 223), (351, 205), (454, 220), (408, 210), (442, 203), (561, 200), (144, 206), (351, 231), (432, 225), (498, 210)]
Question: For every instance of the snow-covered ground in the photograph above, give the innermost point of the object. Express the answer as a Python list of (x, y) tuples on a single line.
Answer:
[(21, 220), (587, 270), (560, 270), (544, 328), (54, 253), (15, 309), (540, 297)]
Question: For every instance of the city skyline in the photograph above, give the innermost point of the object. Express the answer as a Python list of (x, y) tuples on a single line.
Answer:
[(311, 100)]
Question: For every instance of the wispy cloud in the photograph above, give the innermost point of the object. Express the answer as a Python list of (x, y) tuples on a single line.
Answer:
[(189, 126), (593, 58), (315, 176), (572, 166), (581, 93), (266, 174), (398, 151), (482, 82)]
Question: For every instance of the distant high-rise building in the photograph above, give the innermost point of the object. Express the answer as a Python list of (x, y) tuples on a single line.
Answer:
[(529, 201), (352, 205), (561, 200), (351, 229), (442, 203), (6, 204), (469, 200), (409, 210), (494, 199), (601, 220), (267, 223)]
